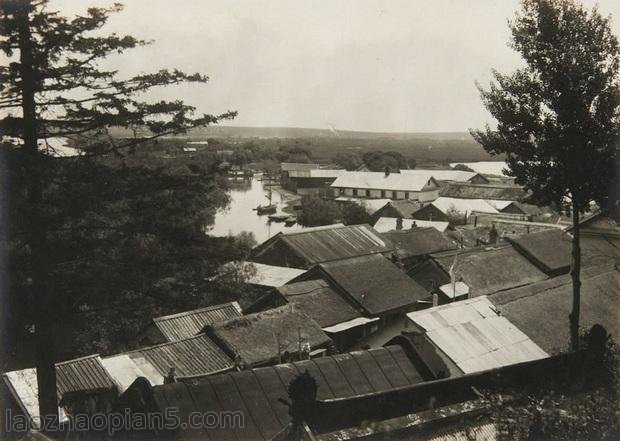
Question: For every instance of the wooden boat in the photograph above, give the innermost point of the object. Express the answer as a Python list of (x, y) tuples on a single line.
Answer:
[(267, 209), (290, 221), (280, 217)]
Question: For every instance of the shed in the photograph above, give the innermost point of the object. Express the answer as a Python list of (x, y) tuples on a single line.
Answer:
[(304, 248), (474, 336), (263, 338)]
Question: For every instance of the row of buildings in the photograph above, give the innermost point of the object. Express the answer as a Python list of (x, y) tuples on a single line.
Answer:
[(386, 333), (454, 196)]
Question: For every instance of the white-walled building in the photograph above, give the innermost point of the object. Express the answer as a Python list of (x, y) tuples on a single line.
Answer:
[(376, 185)]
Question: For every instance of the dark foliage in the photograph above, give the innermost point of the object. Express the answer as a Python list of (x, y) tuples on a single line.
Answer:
[(317, 211)]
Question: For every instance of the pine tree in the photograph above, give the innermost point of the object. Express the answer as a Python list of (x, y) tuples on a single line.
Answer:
[(53, 86)]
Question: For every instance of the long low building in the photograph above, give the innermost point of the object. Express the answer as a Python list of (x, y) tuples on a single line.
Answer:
[(387, 185)]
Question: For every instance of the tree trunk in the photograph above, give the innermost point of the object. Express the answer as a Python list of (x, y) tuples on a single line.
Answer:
[(576, 276), (36, 237)]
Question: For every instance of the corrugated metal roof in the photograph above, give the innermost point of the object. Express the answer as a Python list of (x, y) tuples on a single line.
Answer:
[(385, 224), (189, 323), (465, 206), (85, 373), (337, 243), (475, 337), (197, 355), (257, 392), (81, 374), (381, 181)]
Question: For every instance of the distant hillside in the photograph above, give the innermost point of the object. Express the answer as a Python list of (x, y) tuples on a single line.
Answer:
[(296, 132), (324, 144)]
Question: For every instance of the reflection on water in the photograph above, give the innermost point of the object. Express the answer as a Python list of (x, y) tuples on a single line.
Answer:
[(240, 216)]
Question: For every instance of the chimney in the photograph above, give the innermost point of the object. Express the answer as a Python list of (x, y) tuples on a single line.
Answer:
[(171, 377), (387, 171), (399, 223), (435, 299)]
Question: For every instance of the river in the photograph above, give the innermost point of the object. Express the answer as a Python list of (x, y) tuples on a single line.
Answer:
[(240, 216)]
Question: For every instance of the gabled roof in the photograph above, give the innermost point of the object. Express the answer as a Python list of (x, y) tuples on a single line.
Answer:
[(401, 208), (465, 206), (549, 250), (541, 309), (255, 337), (258, 393), (487, 271), (483, 191), (419, 241), (80, 374), (312, 246), (189, 323), (373, 282), (382, 181), (474, 336), (385, 224), (197, 355), (319, 301)]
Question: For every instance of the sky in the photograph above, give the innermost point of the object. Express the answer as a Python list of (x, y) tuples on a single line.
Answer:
[(384, 66)]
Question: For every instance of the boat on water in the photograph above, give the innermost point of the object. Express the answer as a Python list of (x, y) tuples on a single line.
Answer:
[(290, 221), (278, 217), (268, 208)]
